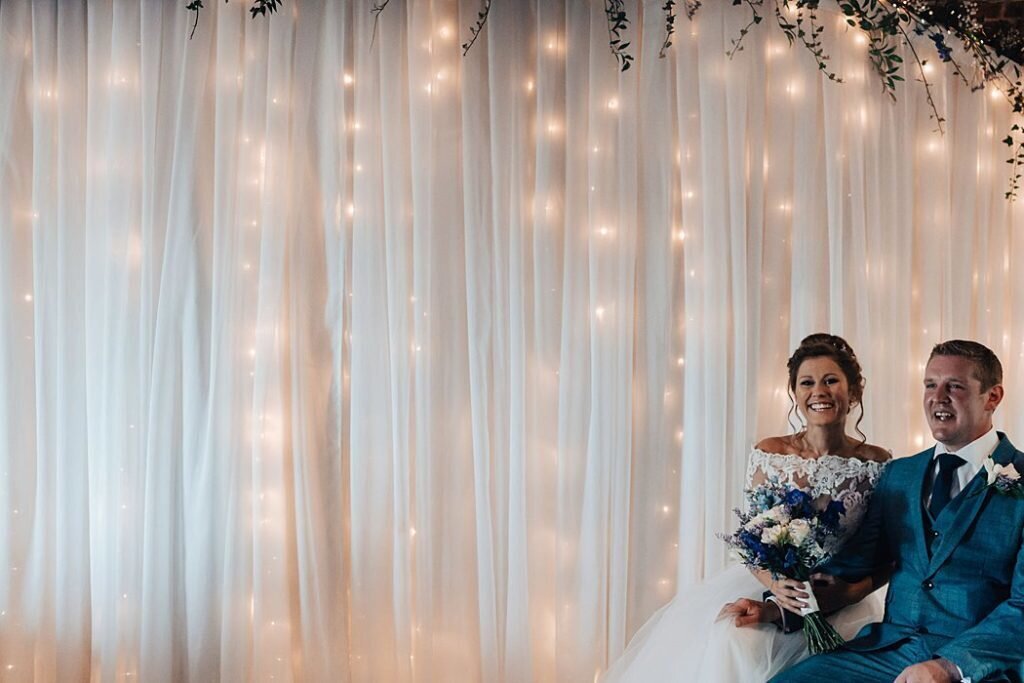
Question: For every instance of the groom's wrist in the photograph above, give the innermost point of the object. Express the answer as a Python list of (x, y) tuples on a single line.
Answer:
[(953, 669), (773, 612), (787, 622)]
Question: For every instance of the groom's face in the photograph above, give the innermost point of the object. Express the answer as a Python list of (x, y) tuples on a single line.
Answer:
[(957, 409)]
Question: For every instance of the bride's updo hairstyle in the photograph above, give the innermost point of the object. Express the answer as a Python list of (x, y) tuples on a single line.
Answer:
[(822, 345)]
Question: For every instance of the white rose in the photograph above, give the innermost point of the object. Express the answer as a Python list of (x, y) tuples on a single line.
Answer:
[(995, 471), (799, 529), (992, 469), (779, 514), (774, 535)]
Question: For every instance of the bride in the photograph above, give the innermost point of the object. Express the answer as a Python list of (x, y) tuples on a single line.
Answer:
[(700, 635)]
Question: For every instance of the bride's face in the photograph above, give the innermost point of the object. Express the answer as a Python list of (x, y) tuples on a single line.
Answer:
[(822, 391)]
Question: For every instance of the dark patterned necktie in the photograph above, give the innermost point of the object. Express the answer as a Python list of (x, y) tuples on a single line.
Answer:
[(948, 463)]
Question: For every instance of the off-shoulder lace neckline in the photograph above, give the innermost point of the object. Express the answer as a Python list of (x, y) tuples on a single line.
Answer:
[(819, 458)]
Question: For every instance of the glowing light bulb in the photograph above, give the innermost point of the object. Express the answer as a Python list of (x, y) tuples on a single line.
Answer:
[(347, 79)]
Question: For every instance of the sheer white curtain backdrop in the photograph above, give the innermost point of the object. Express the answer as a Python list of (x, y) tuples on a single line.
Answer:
[(327, 354)]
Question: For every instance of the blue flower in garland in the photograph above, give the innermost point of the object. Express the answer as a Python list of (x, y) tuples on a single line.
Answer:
[(945, 52)]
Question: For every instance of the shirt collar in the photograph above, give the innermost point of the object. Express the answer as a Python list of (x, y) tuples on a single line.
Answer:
[(976, 451)]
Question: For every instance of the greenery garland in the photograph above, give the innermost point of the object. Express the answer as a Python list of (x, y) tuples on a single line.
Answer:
[(887, 24), (259, 8)]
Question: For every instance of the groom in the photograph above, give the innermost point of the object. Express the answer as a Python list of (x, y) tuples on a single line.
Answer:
[(952, 537)]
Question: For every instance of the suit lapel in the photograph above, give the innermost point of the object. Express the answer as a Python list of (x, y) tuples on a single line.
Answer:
[(966, 506), (920, 474)]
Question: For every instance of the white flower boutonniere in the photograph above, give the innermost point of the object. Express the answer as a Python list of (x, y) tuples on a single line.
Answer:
[(1005, 479)]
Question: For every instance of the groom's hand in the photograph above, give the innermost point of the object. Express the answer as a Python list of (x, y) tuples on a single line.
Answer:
[(746, 612), (834, 594), (932, 671)]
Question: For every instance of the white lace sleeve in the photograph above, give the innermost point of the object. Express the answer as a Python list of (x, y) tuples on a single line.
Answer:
[(847, 480)]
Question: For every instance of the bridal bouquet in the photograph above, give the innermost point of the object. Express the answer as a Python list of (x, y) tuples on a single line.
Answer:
[(789, 533)]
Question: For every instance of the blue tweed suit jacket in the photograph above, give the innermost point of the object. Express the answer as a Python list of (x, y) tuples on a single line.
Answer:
[(965, 594)]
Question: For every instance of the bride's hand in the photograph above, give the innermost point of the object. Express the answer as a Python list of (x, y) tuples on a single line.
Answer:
[(790, 594), (747, 612)]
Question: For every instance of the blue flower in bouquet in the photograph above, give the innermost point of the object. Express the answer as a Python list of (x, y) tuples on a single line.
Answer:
[(832, 513), (800, 503), (790, 560), (765, 497)]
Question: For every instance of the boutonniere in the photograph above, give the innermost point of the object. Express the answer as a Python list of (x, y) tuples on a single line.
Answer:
[(1005, 479)]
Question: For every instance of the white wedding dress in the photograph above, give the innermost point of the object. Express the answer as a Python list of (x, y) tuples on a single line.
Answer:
[(683, 641)]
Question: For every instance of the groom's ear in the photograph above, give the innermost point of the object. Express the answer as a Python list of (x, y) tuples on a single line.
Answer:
[(993, 397)]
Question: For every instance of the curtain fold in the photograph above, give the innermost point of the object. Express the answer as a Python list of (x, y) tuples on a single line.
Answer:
[(328, 353)]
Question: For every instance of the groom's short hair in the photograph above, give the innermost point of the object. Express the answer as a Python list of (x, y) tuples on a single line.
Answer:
[(988, 369)]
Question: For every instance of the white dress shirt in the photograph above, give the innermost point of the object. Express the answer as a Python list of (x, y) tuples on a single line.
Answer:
[(974, 455)]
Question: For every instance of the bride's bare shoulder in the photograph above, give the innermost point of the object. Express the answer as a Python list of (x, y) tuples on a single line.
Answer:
[(776, 444)]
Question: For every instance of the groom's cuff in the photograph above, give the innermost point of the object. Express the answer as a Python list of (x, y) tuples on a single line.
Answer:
[(960, 673), (789, 622)]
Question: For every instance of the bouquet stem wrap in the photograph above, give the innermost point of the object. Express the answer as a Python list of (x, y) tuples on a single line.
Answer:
[(821, 636)]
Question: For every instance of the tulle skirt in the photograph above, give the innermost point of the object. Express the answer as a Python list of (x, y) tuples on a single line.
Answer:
[(685, 641)]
